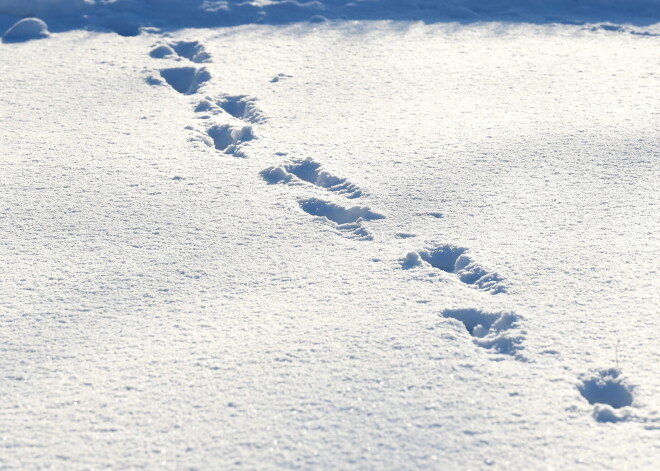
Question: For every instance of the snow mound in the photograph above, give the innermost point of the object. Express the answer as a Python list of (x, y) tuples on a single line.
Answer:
[(274, 175), (604, 413), (162, 52), (25, 30)]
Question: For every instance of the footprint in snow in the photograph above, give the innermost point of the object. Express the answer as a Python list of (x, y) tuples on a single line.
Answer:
[(228, 138), (457, 261), (498, 331), (192, 50), (311, 172), (240, 107), (185, 80), (347, 220), (610, 394)]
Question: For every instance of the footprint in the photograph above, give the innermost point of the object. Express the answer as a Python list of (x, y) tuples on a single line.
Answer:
[(241, 107), (228, 138), (492, 330), (456, 260), (348, 220), (311, 172), (191, 50), (609, 393), (186, 80)]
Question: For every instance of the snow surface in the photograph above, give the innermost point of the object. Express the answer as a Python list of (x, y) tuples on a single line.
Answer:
[(127, 17), (335, 245)]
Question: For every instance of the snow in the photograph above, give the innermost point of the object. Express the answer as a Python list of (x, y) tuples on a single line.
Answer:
[(128, 17), (186, 80), (25, 30), (337, 244)]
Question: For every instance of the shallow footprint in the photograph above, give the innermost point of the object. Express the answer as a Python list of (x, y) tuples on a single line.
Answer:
[(311, 172), (457, 261), (348, 220), (240, 107), (492, 330)]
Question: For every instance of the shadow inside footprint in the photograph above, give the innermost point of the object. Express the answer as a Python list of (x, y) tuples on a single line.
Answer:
[(455, 260), (609, 393), (242, 107), (311, 172), (226, 138), (336, 213), (185, 80), (344, 219), (606, 387), (443, 257), (191, 50)]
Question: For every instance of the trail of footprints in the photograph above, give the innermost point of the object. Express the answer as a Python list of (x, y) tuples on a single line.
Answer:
[(500, 332), (189, 78), (348, 220)]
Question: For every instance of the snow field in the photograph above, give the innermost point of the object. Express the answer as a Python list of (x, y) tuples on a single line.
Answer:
[(367, 344)]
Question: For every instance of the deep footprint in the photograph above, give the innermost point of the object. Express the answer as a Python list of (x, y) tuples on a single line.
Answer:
[(608, 392), (185, 80), (191, 50), (455, 260), (227, 138), (348, 220), (311, 172), (493, 330), (240, 107)]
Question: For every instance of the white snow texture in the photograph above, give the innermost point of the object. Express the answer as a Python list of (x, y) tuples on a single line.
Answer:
[(368, 234)]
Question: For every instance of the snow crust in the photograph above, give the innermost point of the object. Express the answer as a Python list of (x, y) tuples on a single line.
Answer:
[(329, 245)]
